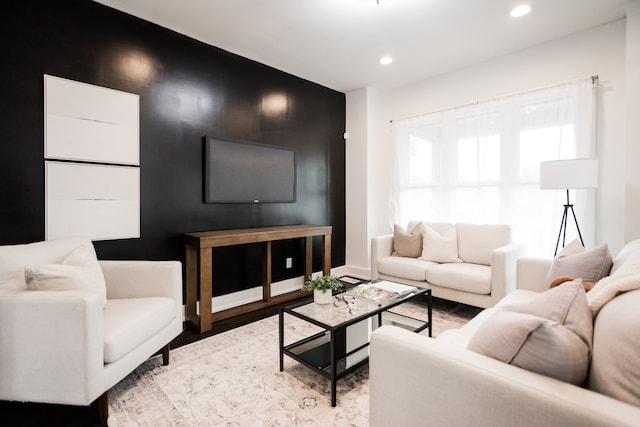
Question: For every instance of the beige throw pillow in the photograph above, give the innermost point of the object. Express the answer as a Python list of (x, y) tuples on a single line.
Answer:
[(407, 244), (550, 334), (438, 247), (79, 270), (575, 261)]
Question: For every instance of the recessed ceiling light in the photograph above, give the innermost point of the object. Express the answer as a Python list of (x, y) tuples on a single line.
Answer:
[(520, 10), (386, 60)]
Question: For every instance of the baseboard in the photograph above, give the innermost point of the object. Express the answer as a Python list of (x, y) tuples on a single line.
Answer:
[(254, 294)]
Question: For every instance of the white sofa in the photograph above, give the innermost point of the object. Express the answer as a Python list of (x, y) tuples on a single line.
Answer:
[(416, 380), (485, 275), (63, 346)]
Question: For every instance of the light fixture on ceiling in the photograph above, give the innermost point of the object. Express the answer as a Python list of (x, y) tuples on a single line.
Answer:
[(386, 60), (379, 2), (521, 10)]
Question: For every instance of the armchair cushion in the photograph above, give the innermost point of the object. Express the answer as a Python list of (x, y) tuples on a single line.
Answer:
[(14, 258), (130, 321), (78, 270)]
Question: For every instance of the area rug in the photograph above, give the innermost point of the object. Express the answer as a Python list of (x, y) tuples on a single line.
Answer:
[(233, 379)]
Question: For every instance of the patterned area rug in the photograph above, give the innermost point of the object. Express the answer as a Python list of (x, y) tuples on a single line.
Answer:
[(233, 379)]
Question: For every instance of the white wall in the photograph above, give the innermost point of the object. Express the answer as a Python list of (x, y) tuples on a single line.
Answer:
[(632, 215), (598, 51), (356, 152)]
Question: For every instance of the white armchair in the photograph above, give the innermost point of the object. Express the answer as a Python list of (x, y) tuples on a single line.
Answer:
[(63, 346)]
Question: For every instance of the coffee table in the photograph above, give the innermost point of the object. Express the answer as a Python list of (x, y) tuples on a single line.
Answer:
[(328, 351)]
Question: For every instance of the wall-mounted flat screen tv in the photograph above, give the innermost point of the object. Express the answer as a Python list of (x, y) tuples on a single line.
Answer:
[(247, 172)]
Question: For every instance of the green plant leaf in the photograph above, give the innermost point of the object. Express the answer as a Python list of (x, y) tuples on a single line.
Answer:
[(322, 283)]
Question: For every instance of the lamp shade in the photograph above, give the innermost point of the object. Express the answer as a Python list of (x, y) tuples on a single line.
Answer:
[(566, 174)]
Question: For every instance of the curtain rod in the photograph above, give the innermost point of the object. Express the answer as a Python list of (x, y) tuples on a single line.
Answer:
[(594, 81)]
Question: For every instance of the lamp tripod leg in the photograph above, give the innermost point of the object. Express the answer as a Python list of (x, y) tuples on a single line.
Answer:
[(577, 227), (563, 226)]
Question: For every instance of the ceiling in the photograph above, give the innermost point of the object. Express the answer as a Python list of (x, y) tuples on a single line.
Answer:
[(337, 43)]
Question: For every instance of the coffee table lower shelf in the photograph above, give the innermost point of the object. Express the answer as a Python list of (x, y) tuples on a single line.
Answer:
[(315, 352), (319, 352)]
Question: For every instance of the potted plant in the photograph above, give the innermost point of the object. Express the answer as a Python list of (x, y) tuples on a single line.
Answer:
[(322, 287)]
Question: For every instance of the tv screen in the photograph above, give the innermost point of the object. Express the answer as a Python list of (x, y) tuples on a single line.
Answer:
[(246, 172)]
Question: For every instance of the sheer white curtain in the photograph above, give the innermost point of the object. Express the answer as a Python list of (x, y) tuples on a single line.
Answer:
[(480, 163)]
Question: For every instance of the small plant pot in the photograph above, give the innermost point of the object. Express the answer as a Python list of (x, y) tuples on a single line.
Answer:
[(322, 296)]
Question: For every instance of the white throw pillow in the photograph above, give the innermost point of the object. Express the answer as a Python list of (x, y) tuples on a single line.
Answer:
[(79, 270), (438, 247)]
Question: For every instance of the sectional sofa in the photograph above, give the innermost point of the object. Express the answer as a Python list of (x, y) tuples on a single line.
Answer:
[(416, 380)]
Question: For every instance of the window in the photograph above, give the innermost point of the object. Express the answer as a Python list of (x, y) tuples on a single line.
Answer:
[(480, 163)]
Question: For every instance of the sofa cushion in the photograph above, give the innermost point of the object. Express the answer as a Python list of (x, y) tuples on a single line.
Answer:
[(407, 243), (473, 278), (550, 333), (614, 364), (461, 336), (628, 258), (575, 261), (477, 241), (439, 246), (129, 322), (533, 343), (404, 267)]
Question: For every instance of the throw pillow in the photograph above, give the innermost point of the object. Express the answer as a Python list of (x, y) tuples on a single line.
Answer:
[(565, 304), (550, 334), (533, 343), (438, 247), (574, 260), (408, 244), (79, 270)]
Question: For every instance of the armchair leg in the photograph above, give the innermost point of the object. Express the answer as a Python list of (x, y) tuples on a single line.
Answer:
[(103, 407), (165, 355)]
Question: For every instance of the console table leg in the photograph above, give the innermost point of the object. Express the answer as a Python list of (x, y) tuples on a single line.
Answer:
[(205, 284), (308, 263), (191, 272), (326, 260)]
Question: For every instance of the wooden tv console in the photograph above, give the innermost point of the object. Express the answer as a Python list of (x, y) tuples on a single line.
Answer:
[(199, 275)]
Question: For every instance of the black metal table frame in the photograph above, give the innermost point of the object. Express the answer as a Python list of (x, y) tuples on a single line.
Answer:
[(333, 373)]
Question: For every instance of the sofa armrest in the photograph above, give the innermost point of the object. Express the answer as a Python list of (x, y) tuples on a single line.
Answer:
[(531, 273), (503, 269), (138, 279), (414, 378), (51, 346), (381, 247)]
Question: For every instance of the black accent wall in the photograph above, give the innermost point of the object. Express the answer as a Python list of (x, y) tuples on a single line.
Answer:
[(187, 90)]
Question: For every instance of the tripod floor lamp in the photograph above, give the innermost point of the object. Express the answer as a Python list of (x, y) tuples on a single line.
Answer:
[(566, 175)]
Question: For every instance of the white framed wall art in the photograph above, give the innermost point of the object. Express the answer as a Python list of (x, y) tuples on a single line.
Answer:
[(92, 158)]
